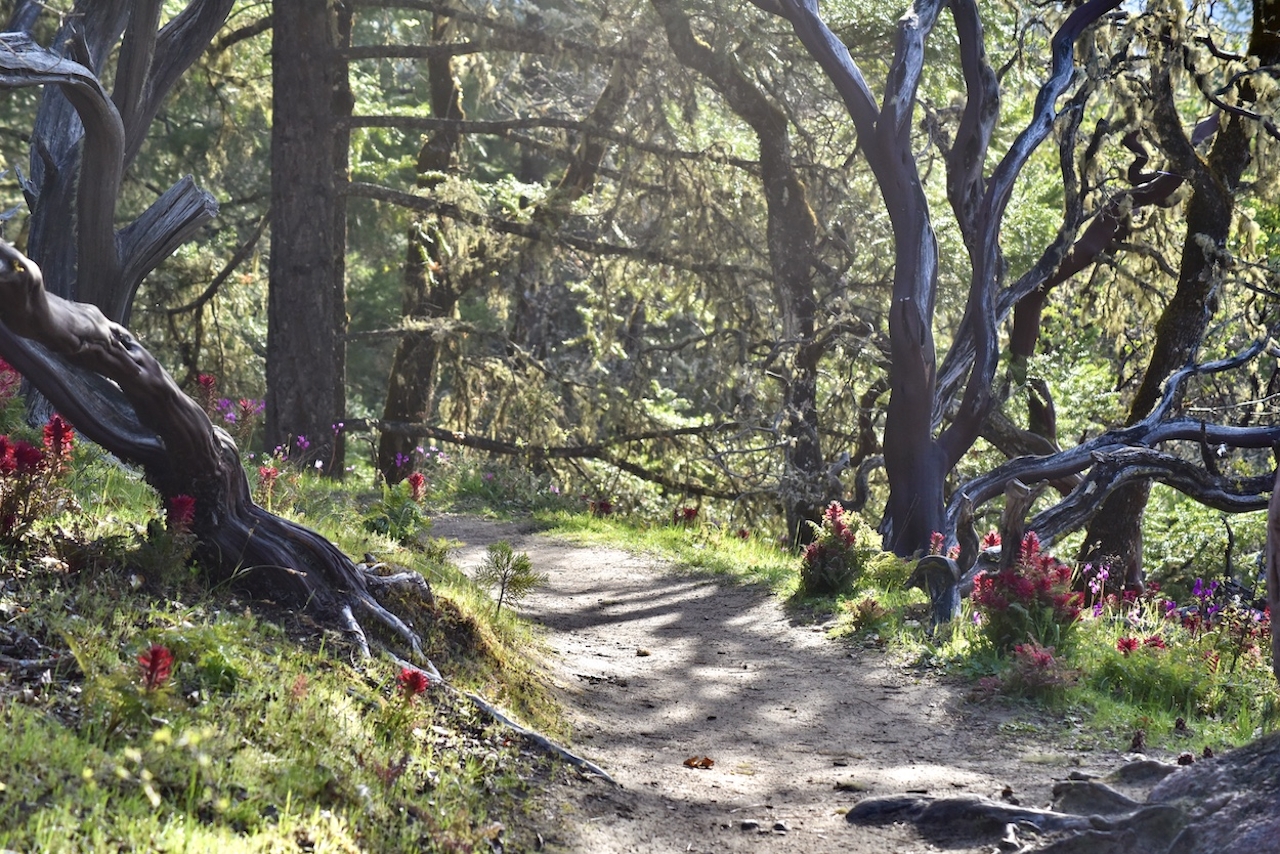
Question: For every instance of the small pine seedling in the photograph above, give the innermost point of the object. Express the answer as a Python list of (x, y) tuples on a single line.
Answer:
[(511, 573)]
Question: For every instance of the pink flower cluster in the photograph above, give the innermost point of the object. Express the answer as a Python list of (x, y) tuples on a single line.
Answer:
[(1035, 580)]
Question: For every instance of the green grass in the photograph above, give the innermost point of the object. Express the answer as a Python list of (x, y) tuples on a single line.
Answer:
[(700, 547), (272, 733)]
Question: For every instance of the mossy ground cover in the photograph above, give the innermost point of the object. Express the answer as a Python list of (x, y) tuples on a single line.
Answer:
[(258, 729), (269, 732)]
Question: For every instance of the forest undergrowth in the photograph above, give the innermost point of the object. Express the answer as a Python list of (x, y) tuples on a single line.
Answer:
[(143, 708)]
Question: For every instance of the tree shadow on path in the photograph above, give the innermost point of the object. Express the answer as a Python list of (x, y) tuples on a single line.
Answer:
[(657, 666)]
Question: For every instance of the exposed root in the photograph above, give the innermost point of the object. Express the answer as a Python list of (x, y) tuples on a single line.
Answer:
[(391, 621), (407, 583), (352, 627), (537, 737), (500, 717)]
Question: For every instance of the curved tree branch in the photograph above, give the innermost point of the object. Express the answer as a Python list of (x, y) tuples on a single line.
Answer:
[(599, 451), (25, 63), (137, 412), (1113, 469)]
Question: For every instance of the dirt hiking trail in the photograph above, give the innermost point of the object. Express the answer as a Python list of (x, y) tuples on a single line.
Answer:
[(655, 666)]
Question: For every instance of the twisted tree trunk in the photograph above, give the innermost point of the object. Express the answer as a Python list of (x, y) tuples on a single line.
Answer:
[(68, 348), (116, 393)]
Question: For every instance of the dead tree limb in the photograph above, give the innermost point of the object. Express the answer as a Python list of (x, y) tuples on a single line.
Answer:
[(1124, 451)]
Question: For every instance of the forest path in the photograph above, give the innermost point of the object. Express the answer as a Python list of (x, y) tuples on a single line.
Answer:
[(655, 665)]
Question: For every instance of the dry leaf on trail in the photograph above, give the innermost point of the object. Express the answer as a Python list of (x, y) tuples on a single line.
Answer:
[(700, 762)]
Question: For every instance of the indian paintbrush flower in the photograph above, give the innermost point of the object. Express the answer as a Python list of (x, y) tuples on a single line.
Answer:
[(417, 486), (412, 682), (157, 665), (59, 439), (181, 514)]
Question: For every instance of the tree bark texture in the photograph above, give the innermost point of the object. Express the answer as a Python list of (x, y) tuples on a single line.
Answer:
[(307, 319), (85, 137), (139, 414)]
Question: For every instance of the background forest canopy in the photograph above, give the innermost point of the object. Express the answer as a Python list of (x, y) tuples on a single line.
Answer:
[(657, 255)]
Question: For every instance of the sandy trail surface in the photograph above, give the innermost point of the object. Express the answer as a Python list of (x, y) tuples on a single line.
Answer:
[(656, 666)]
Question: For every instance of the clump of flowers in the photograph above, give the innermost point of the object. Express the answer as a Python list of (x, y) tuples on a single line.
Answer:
[(1036, 671), (30, 487), (937, 546), (412, 682), (837, 555), (156, 662), (1030, 601), (684, 516), (239, 417)]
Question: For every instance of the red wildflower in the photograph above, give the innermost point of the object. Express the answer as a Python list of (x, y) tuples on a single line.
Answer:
[(267, 475), (744, 534), (27, 457), (686, 515), (417, 485), (59, 438), (157, 665), (937, 543), (1034, 654), (412, 682), (8, 465), (208, 392), (601, 507), (1155, 642), (991, 539), (834, 512), (814, 553), (1127, 645), (1023, 588), (10, 380), (1030, 551), (181, 514)]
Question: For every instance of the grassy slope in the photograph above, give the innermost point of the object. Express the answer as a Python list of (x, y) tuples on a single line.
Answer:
[(271, 734)]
